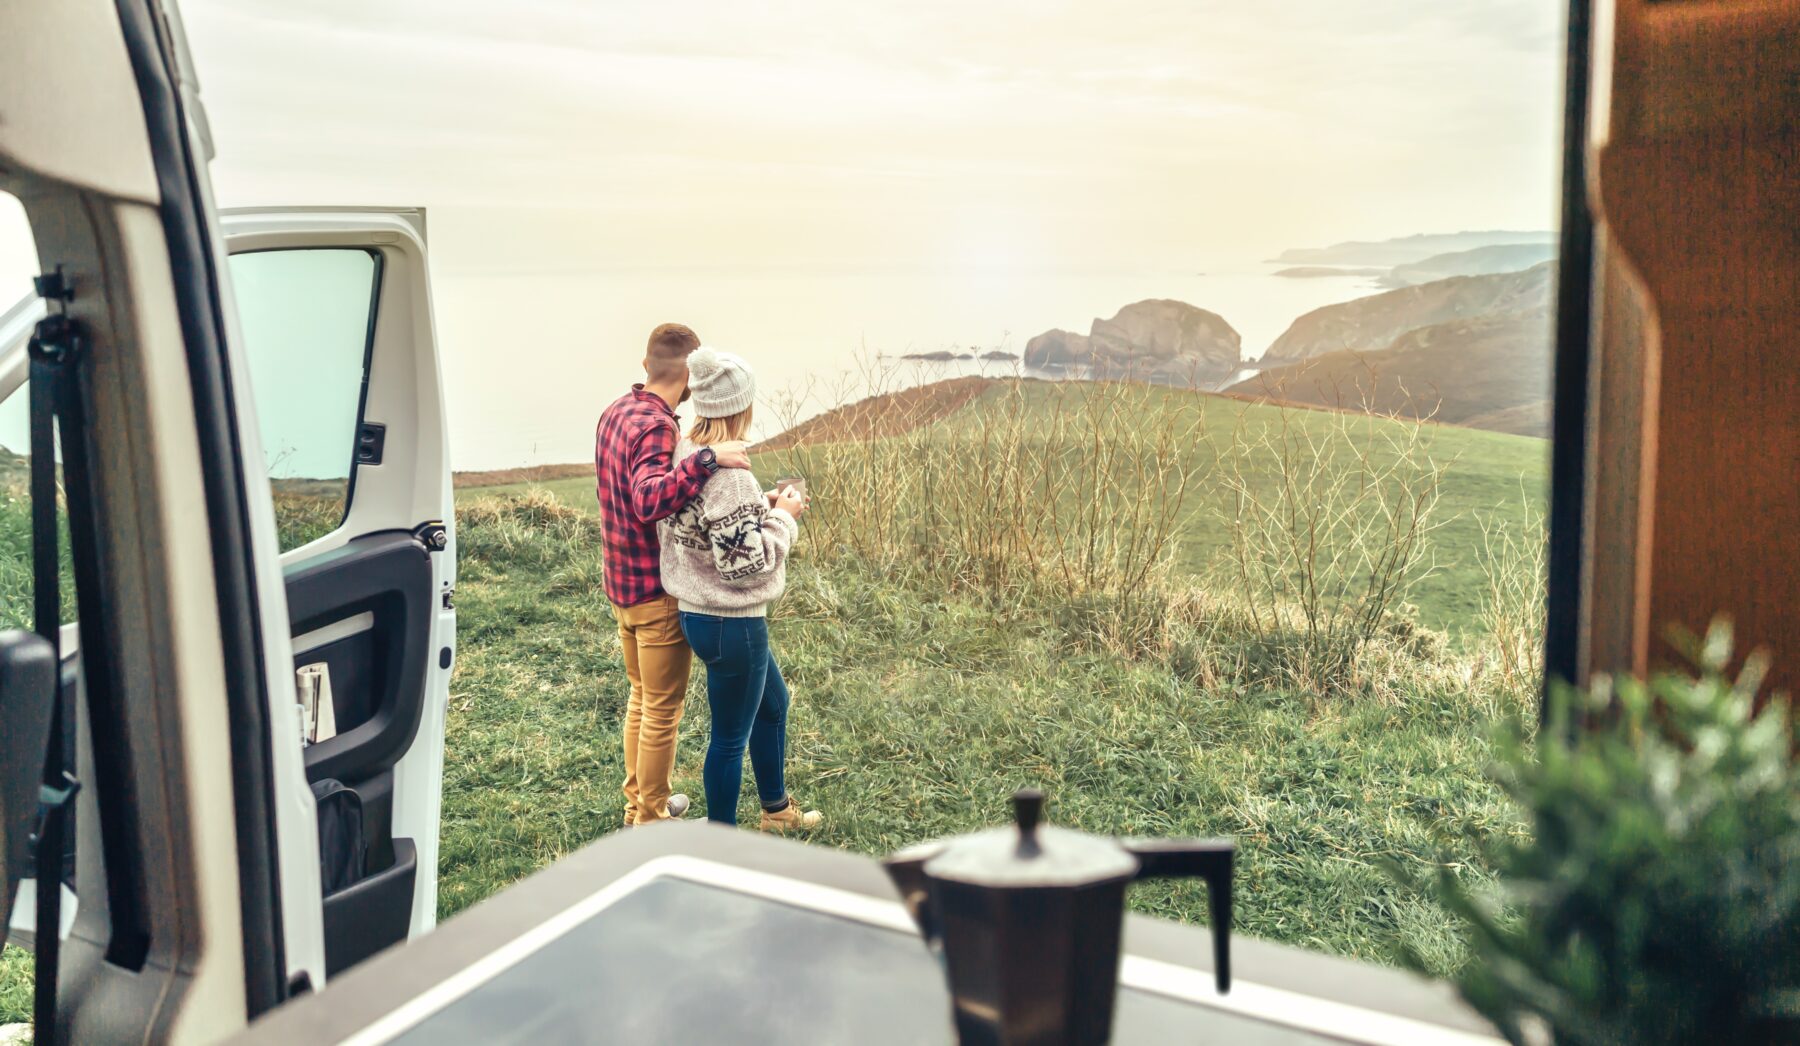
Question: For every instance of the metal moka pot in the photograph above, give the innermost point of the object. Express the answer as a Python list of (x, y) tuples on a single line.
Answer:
[(1027, 921)]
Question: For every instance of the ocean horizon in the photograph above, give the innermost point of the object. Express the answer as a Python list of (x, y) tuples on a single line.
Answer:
[(532, 358)]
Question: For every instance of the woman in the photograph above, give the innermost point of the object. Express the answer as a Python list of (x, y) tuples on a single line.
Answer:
[(724, 559)]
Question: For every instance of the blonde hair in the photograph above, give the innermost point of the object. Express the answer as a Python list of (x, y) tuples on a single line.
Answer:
[(707, 431)]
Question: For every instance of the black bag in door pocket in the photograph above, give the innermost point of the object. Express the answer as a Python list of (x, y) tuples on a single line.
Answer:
[(343, 854)]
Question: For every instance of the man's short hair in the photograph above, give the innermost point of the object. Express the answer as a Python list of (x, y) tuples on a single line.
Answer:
[(665, 359)]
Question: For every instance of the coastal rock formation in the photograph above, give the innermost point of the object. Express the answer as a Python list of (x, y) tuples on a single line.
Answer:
[(1506, 257), (1165, 339), (1372, 324), (1155, 340), (954, 354), (1056, 348), (1490, 371), (1313, 272), (1405, 250)]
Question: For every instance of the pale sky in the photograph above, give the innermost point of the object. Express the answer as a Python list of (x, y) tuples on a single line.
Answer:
[(804, 180), (1067, 136)]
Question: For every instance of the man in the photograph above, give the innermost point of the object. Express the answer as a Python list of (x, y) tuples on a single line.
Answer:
[(638, 484)]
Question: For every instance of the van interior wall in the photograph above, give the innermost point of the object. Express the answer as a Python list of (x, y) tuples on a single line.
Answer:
[(1699, 192)]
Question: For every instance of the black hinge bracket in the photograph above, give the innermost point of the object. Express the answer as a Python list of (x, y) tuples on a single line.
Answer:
[(56, 338), (433, 535)]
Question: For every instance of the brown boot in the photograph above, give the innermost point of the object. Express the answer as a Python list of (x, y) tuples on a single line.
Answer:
[(790, 819), (675, 811)]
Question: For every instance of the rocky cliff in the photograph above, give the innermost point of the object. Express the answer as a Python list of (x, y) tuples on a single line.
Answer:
[(1490, 371), (1506, 257), (1158, 340), (1313, 272), (1372, 324), (1405, 250)]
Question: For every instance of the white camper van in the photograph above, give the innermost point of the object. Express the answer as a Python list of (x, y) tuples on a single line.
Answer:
[(206, 373)]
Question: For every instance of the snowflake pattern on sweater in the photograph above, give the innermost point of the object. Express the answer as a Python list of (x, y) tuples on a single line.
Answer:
[(725, 552)]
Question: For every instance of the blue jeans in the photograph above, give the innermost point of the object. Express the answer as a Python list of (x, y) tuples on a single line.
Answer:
[(749, 705)]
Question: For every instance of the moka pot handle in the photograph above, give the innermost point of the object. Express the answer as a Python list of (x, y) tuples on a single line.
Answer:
[(1208, 859)]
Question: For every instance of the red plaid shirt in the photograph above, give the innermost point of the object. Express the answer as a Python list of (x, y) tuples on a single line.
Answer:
[(638, 485)]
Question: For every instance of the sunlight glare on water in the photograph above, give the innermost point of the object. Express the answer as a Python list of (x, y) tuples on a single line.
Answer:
[(505, 335)]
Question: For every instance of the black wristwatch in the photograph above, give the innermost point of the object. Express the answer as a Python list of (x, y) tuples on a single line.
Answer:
[(708, 460)]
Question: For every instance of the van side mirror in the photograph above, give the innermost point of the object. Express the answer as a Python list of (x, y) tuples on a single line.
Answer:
[(28, 677)]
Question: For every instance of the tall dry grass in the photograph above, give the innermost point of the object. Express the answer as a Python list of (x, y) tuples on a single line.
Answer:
[(1514, 561), (1330, 515), (1033, 488), (1075, 495)]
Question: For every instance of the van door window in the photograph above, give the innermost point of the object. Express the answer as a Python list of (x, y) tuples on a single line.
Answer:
[(308, 318), (18, 257), (18, 262)]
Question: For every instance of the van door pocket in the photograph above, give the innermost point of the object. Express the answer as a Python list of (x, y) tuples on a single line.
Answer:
[(371, 913), (368, 889)]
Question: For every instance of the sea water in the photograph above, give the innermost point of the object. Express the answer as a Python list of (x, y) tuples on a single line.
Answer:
[(532, 358)]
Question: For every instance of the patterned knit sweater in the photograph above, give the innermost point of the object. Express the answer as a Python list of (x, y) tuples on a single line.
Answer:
[(726, 552)]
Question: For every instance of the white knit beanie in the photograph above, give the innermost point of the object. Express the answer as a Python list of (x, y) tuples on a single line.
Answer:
[(720, 382)]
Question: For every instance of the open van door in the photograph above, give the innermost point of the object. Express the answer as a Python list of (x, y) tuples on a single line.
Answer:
[(215, 586), (334, 310), (334, 314)]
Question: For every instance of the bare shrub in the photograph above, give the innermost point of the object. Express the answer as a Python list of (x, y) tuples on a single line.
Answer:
[(1330, 515), (1513, 563), (1067, 500), (1013, 487)]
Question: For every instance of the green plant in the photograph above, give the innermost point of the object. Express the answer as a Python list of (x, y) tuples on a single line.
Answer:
[(306, 510), (1656, 900)]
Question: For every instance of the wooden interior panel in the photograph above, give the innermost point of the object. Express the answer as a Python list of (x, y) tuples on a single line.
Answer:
[(1622, 384), (1698, 194)]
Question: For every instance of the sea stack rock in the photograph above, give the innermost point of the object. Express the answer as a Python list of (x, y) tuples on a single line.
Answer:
[(1165, 340), (1056, 348), (1158, 340)]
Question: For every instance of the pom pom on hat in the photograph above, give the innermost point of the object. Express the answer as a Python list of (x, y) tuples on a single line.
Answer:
[(721, 384)]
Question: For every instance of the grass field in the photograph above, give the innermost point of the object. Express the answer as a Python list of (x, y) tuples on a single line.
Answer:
[(918, 706), (916, 717), (1491, 477)]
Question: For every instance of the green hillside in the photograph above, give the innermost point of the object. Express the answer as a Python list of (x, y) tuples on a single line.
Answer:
[(1490, 477)]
